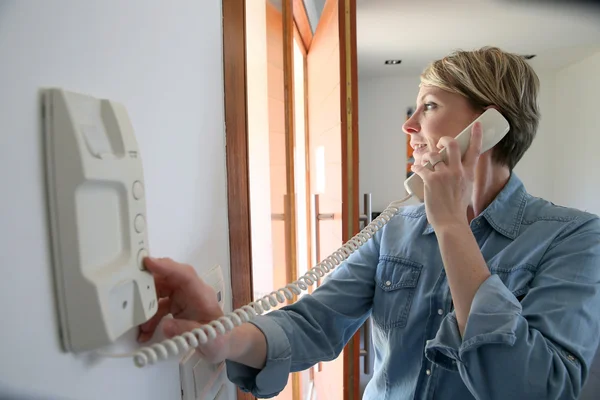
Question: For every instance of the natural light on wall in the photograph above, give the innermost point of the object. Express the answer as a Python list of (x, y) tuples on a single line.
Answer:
[(259, 159), (319, 187), (300, 163)]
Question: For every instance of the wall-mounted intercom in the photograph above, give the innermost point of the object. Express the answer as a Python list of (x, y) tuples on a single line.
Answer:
[(97, 215)]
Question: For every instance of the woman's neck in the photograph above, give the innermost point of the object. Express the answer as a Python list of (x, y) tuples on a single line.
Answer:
[(490, 179)]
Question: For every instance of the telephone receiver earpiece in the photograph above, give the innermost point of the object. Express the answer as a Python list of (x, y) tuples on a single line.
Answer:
[(494, 127)]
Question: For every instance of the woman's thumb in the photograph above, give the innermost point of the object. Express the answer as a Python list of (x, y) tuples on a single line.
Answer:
[(174, 327)]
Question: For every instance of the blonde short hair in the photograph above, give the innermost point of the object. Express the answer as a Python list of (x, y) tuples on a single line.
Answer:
[(490, 76)]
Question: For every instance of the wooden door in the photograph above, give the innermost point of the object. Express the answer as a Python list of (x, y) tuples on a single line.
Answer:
[(331, 140), (259, 143), (325, 138), (333, 154), (271, 158)]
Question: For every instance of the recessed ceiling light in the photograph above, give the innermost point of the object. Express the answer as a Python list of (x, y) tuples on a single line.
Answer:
[(392, 62), (528, 56)]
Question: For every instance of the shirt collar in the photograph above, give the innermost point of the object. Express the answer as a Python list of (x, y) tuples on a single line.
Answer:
[(505, 213)]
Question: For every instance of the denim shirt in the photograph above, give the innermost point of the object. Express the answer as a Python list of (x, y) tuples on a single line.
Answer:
[(532, 331)]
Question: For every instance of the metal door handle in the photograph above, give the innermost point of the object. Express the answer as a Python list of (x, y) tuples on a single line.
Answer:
[(366, 351), (367, 217), (277, 217), (318, 216)]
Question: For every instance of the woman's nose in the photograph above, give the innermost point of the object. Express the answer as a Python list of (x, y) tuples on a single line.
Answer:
[(411, 125)]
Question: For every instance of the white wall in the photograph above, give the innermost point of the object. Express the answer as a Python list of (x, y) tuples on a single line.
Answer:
[(577, 182), (382, 143), (165, 64), (382, 111), (535, 166)]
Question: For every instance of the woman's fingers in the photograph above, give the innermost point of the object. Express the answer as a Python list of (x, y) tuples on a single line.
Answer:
[(433, 158), (175, 274), (174, 327), (475, 145), (147, 329), (452, 150)]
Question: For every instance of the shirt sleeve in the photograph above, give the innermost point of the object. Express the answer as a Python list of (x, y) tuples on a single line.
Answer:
[(541, 347), (315, 328)]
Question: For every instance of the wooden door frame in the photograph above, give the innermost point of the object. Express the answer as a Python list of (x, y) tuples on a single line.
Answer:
[(236, 141), (300, 39), (350, 163), (236, 132)]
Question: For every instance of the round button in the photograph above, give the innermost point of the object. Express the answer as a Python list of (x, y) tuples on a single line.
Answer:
[(140, 259), (139, 223), (440, 311), (428, 372), (388, 283), (138, 190)]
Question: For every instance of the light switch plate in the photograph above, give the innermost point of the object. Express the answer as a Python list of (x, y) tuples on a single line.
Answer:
[(201, 380), (214, 277)]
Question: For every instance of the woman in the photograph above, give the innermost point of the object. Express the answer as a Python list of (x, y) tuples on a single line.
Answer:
[(482, 292)]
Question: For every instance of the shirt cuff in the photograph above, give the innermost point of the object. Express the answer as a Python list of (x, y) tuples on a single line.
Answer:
[(273, 378), (493, 319)]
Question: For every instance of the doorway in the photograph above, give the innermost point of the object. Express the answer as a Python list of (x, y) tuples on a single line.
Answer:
[(290, 77)]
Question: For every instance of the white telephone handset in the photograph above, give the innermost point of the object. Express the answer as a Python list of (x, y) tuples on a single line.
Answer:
[(494, 126)]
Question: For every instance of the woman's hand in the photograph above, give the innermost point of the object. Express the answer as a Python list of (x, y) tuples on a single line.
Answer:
[(449, 187), (448, 193), (190, 300)]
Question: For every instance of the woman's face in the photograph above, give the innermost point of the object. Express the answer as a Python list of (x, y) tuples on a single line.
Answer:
[(439, 113)]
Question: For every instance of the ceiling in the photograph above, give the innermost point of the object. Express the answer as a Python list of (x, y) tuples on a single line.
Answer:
[(314, 9), (418, 32)]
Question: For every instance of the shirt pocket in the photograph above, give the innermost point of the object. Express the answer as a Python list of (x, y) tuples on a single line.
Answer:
[(395, 285), (516, 278)]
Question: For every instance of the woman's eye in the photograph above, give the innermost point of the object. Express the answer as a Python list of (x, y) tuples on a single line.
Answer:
[(429, 106)]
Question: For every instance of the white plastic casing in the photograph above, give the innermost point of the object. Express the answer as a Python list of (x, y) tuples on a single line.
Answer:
[(494, 126), (201, 380), (214, 277), (97, 215)]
